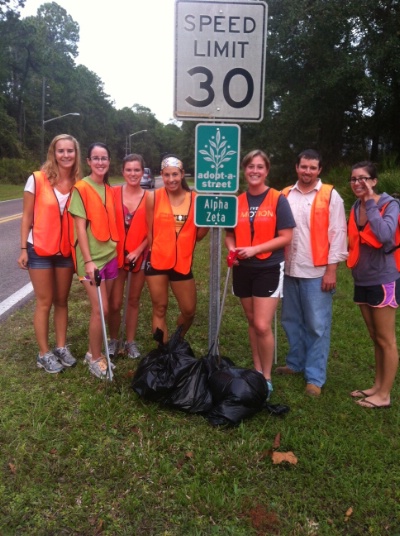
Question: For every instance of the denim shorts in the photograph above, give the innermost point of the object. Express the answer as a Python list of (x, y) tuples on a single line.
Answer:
[(37, 262)]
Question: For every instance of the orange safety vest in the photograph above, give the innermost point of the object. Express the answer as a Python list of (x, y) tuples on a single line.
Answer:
[(264, 224), (169, 249), (319, 223), (366, 236), (137, 231), (50, 230), (101, 216)]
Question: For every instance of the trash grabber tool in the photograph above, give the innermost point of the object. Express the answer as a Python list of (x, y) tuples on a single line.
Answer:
[(97, 278), (231, 258), (123, 320)]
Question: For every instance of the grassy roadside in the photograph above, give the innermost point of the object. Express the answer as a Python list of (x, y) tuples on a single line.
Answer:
[(11, 191), (78, 457), (16, 191)]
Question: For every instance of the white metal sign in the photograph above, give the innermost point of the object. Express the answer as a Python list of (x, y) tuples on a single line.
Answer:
[(220, 60)]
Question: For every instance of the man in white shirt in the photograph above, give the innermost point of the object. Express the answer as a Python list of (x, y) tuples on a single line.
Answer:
[(319, 244)]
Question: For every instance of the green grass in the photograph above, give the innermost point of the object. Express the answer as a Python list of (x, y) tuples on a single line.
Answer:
[(16, 191), (79, 457), (11, 191)]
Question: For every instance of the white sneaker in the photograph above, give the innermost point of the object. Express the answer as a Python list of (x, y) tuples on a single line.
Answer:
[(132, 350), (88, 358), (99, 368)]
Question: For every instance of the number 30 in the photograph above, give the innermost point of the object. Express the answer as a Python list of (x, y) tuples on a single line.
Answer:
[(207, 86)]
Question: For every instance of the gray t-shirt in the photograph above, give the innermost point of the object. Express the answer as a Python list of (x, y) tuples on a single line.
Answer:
[(284, 220)]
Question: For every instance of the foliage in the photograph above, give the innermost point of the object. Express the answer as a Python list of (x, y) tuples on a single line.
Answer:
[(82, 457), (7, 6), (16, 170), (332, 82)]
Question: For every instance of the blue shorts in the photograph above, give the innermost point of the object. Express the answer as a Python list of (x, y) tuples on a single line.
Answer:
[(38, 262), (109, 271)]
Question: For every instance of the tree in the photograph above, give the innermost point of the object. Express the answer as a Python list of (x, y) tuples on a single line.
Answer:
[(312, 76), (378, 42), (10, 6), (61, 31)]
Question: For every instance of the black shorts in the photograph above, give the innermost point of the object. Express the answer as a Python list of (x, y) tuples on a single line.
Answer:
[(172, 274), (259, 281), (384, 295)]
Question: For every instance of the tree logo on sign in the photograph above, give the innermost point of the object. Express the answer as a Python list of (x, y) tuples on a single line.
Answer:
[(218, 152)]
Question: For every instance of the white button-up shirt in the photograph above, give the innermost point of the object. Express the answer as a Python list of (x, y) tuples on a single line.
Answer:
[(298, 254)]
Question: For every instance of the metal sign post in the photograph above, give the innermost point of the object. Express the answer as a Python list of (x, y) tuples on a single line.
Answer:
[(217, 171), (219, 76)]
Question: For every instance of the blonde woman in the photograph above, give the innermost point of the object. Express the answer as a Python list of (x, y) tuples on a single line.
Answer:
[(46, 249)]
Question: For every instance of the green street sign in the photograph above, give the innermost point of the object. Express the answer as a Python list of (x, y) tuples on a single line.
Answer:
[(215, 211), (217, 153)]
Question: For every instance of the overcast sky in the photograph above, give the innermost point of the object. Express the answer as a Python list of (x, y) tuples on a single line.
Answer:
[(129, 44)]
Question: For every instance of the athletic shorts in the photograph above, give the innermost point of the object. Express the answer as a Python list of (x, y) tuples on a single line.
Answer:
[(38, 262), (109, 271), (384, 295), (259, 281), (173, 275)]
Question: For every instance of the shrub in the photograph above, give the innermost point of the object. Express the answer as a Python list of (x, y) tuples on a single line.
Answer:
[(16, 170)]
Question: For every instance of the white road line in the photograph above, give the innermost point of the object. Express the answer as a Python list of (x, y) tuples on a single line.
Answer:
[(15, 298)]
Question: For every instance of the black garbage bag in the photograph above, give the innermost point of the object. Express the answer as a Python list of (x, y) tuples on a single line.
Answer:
[(172, 376), (191, 392), (238, 393), (212, 385)]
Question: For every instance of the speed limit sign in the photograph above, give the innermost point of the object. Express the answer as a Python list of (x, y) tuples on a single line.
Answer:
[(220, 60)]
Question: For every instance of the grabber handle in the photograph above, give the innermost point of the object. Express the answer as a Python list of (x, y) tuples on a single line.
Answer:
[(97, 277)]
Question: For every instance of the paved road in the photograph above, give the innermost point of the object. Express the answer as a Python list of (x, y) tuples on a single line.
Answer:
[(15, 287), (13, 280)]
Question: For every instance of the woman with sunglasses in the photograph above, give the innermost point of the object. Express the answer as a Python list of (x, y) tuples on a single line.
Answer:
[(96, 236), (373, 231)]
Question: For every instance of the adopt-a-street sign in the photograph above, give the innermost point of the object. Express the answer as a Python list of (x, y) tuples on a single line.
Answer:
[(215, 210), (217, 153)]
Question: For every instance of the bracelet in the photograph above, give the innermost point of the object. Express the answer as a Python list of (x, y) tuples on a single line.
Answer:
[(24, 248), (88, 261)]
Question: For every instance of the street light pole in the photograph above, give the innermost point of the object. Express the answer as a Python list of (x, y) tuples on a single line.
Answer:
[(130, 144), (48, 121)]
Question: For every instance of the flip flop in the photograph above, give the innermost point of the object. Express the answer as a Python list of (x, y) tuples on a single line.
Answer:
[(370, 405), (358, 394)]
